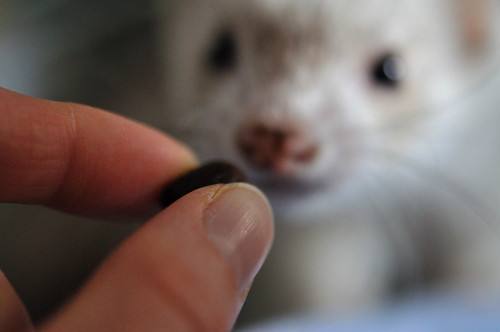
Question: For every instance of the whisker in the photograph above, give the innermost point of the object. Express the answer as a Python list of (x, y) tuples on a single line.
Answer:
[(402, 234), (446, 105), (441, 183)]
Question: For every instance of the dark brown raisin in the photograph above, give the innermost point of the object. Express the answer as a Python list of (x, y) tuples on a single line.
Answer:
[(205, 175)]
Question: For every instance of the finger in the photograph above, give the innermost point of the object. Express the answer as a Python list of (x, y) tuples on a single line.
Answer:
[(13, 315), (187, 269), (83, 160)]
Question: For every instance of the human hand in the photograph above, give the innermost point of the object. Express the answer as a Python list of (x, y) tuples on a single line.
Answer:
[(188, 268)]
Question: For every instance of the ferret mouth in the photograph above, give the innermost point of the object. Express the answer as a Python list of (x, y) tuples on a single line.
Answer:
[(288, 186)]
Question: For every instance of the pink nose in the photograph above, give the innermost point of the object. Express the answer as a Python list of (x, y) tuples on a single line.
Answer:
[(281, 150)]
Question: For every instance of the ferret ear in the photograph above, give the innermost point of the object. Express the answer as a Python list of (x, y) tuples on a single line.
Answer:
[(475, 23)]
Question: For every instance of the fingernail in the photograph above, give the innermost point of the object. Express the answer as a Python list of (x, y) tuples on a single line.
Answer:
[(240, 223), (206, 175)]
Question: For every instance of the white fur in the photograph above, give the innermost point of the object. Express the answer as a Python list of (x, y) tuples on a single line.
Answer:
[(405, 181)]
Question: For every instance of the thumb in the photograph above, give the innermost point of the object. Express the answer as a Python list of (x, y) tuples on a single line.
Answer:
[(187, 269)]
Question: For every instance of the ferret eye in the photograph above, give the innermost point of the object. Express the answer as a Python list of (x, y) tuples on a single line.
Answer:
[(388, 71), (223, 53)]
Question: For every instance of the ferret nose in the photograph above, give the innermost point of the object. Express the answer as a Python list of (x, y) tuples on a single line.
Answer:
[(281, 150)]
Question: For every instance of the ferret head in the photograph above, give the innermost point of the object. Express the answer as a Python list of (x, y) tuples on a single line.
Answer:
[(306, 95)]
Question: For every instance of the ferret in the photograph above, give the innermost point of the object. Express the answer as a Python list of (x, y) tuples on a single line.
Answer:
[(372, 126)]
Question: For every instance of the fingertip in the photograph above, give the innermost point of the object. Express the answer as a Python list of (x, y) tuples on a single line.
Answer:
[(239, 221), (84, 160), (189, 268)]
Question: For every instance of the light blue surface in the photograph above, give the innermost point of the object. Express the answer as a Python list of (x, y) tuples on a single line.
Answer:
[(431, 314)]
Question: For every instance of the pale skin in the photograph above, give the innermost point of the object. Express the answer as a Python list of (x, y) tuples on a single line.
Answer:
[(174, 273)]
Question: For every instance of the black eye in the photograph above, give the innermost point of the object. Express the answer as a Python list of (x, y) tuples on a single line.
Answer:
[(388, 71), (223, 54)]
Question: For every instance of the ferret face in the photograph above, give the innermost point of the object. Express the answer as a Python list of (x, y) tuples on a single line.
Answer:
[(308, 94)]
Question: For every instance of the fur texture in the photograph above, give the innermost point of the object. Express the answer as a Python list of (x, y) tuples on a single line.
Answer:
[(377, 184)]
